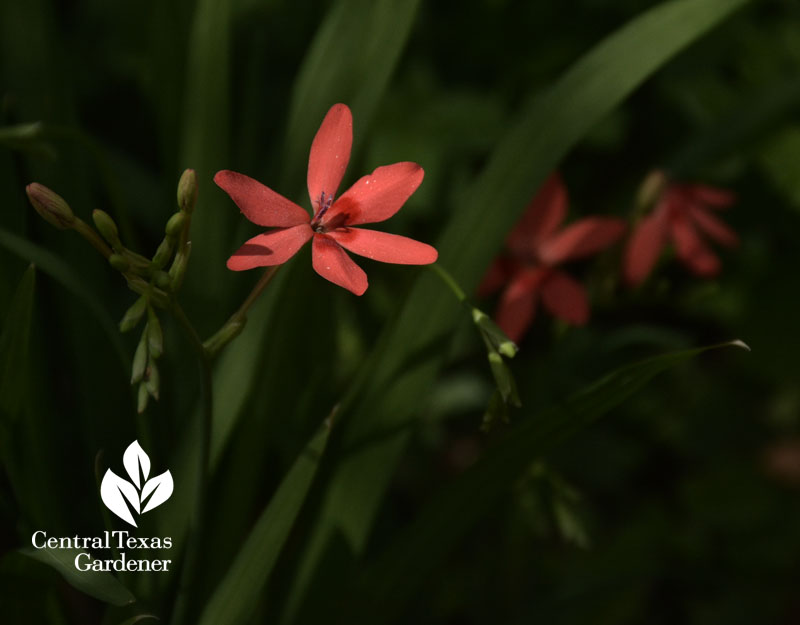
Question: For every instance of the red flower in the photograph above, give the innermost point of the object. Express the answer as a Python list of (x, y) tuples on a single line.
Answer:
[(535, 248), (682, 212), (371, 199)]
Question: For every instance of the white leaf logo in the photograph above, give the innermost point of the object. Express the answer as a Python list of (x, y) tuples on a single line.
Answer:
[(120, 496)]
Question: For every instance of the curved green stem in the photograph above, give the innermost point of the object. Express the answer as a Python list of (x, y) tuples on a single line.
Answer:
[(235, 324), (450, 281)]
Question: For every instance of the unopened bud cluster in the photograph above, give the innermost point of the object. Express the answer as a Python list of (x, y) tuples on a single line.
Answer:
[(498, 347), (155, 279)]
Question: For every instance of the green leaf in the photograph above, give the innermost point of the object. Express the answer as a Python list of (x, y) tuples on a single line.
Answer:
[(351, 60), (780, 160), (206, 128), (59, 270), (450, 514), (237, 595), (99, 584), (14, 348), (537, 140), (27, 137)]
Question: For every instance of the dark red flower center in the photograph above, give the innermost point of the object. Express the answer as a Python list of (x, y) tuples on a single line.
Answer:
[(325, 202)]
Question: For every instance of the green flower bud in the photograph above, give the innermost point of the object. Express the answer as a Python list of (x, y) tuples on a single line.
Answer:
[(142, 399), (175, 225), (651, 189), (119, 262), (155, 336), (140, 359), (51, 206), (494, 337), (163, 253), (162, 280), (152, 381), (187, 191), (133, 315), (106, 226), (503, 379), (496, 411), (179, 265)]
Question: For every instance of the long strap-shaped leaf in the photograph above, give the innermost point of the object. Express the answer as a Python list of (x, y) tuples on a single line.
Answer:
[(535, 143), (451, 513), (59, 270), (237, 595), (99, 584)]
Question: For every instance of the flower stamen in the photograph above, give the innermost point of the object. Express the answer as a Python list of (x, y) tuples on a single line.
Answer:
[(325, 202)]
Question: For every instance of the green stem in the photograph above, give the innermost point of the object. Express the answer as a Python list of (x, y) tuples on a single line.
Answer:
[(235, 324), (83, 229), (450, 281), (191, 568)]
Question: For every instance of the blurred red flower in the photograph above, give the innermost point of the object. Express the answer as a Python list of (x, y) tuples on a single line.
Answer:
[(371, 199), (535, 247), (682, 213)]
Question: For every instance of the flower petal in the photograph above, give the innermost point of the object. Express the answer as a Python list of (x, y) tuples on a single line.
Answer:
[(691, 249), (387, 248), (710, 196), (542, 217), (565, 298), (331, 262), (375, 197), (714, 227), (497, 275), (259, 203), (517, 306), (644, 248), (583, 238), (271, 248), (330, 153)]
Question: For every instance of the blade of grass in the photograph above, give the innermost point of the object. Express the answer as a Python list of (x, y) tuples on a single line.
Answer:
[(204, 148), (61, 272), (238, 593), (98, 584)]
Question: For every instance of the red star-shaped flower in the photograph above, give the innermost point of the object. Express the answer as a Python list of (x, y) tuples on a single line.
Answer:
[(682, 212), (536, 247), (371, 199)]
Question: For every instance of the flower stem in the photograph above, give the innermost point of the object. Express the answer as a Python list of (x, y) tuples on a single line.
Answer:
[(235, 324), (83, 229), (450, 281)]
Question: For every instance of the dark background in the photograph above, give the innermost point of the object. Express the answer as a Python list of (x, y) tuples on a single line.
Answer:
[(682, 507)]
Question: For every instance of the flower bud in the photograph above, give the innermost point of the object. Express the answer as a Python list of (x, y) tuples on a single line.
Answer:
[(143, 397), (179, 265), (493, 335), (152, 380), (187, 191), (139, 359), (175, 225), (119, 262), (106, 226), (162, 280), (650, 189), (163, 253), (133, 315), (155, 336), (51, 206)]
